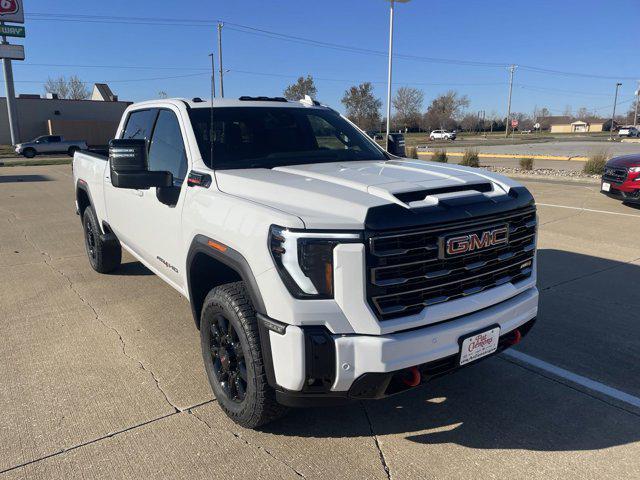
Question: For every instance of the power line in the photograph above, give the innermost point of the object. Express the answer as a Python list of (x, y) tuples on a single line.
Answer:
[(135, 67), (560, 91), (44, 16), (147, 79), (345, 80)]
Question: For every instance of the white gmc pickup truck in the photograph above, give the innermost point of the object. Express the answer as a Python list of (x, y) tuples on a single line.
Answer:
[(320, 269)]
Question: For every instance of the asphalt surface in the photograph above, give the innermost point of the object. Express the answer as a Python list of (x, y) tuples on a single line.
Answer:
[(102, 377)]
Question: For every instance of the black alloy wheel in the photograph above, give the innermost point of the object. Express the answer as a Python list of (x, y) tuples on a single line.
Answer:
[(90, 239), (227, 354)]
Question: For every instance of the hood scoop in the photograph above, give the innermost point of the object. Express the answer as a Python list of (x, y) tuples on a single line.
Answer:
[(429, 196)]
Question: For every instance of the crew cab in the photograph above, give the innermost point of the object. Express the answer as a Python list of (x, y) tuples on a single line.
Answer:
[(621, 178), (320, 269), (49, 144), (442, 135)]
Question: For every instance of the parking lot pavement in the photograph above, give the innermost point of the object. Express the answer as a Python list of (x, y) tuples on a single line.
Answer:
[(102, 377)]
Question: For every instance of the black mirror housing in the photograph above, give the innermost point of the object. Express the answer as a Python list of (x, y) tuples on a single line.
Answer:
[(129, 166)]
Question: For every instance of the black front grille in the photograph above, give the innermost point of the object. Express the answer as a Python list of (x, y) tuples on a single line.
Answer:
[(614, 174), (407, 271)]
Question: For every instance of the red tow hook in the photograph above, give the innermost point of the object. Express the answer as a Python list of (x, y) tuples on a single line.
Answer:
[(517, 336), (415, 377)]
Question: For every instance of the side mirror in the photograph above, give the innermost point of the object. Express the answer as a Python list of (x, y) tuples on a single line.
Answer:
[(396, 144), (129, 167)]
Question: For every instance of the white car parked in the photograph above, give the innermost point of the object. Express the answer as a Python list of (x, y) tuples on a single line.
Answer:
[(442, 135), (319, 268)]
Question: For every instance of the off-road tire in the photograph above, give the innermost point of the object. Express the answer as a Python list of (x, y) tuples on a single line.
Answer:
[(104, 256), (259, 405)]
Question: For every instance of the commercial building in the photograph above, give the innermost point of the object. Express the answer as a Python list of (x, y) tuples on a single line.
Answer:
[(94, 120), (579, 126)]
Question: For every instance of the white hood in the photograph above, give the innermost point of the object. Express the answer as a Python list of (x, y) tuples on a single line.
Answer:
[(339, 195)]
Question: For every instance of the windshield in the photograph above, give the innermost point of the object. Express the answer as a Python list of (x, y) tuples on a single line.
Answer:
[(267, 137)]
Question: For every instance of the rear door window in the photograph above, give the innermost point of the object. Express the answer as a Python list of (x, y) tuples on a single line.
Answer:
[(140, 124), (167, 152)]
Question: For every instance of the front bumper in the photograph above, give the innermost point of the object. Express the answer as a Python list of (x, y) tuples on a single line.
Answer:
[(308, 365)]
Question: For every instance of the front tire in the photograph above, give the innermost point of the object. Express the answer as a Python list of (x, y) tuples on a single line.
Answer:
[(29, 152), (104, 257), (233, 358)]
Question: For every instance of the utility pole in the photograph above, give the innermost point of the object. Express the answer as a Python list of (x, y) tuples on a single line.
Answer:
[(11, 96), (220, 25), (512, 68), (613, 115), (213, 76), (635, 116)]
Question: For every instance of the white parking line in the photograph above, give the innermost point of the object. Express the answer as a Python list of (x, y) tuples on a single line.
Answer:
[(587, 210), (574, 378)]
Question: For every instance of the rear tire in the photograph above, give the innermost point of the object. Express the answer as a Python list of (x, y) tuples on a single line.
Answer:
[(104, 256), (29, 153), (233, 357)]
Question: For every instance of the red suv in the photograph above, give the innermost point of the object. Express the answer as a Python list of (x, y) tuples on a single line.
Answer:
[(621, 178)]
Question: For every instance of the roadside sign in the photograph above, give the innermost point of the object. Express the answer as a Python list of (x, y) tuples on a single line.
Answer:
[(12, 52), (514, 123), (11, 11), (12, 30)]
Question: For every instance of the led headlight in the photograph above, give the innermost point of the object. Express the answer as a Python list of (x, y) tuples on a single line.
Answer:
[(305, 259)]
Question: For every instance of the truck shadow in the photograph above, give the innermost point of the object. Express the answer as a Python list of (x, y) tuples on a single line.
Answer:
[(498, 404), (132, 269), (24, 178)]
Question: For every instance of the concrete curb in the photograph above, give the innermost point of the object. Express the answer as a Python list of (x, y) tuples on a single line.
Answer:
[(505, 155)]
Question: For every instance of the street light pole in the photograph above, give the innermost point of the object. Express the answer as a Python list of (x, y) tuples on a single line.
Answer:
[(635, 116), (389, 75), (613, 115), (390, 68)]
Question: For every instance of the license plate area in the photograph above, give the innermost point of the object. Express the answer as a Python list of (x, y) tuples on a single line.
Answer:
[(478, 345)]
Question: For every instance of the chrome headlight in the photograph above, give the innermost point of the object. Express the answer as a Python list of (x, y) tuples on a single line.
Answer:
[(304, 259)]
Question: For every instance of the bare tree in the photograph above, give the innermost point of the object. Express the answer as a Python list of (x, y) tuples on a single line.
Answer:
[(57, 86), (583, 113), (408, 104), (302, 87), (162, 94), (445, 110), (73, 89), (469, 122), (363, 108), (78, 89)]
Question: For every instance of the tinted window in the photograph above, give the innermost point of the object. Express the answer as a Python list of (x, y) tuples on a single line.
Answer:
[(139, 124), (54, 138), (167, 152), (265, 137)]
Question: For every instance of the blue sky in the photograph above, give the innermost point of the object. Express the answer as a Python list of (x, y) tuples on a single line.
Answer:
[(588, 36)]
